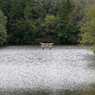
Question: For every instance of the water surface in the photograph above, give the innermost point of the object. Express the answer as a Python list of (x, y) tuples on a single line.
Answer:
[(29, 70)]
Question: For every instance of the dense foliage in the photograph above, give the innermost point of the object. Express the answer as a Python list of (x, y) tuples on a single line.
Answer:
[(3, 20), (34, 21), (2, 34), (88, 27)]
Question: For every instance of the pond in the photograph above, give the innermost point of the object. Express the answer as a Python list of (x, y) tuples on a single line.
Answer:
[(63, 70)]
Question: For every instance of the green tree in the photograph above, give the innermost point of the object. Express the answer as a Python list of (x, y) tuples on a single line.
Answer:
[(44, 7), (2, 34), (87, 30), (3, 20), (57, 18), (27, 12), (63, 28), (49, 23), (24, 32)]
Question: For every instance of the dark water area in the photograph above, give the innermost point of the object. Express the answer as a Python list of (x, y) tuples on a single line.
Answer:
[(63, 70)]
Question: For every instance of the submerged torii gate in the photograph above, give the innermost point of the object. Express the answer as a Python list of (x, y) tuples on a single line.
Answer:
[(43, 45)]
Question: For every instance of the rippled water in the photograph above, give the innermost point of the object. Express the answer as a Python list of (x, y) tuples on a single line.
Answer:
[(29, 70)]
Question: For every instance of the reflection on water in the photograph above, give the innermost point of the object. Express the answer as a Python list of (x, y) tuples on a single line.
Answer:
[(29, 70)]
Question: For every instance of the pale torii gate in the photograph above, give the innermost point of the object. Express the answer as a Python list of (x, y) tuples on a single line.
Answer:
[(43, 45)]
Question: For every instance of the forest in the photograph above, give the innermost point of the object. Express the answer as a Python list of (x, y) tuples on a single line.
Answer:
[(58, 21)]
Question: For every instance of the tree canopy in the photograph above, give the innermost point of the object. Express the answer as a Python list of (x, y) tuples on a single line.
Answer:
[(34, 21), (88, 28)]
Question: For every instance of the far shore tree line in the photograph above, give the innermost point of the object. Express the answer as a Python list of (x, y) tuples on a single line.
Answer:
[(58, 21)]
